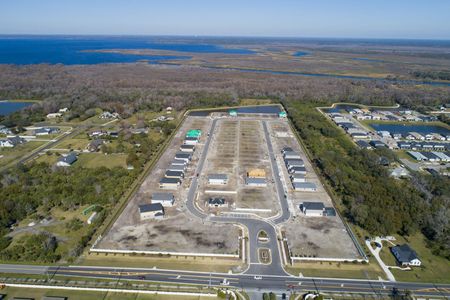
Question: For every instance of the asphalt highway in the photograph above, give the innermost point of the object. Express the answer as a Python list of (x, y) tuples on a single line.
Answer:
[(246, 281)]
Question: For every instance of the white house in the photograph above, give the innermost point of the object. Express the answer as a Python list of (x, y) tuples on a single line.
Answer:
[(151, 211), (312, 209), (54, 115), (165, 199), (217, 179), (406, 256)]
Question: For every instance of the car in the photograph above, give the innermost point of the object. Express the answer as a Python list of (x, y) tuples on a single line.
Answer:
[(258, 277), (141, 277), (225, 282)]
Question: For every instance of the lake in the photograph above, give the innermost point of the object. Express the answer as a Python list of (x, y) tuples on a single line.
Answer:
[(405, 128), (7, 107), (300, 53), (71, 50), (260, 109)]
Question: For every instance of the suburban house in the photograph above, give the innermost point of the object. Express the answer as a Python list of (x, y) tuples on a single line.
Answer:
[(304, 186), (256, 173), (183, 156), (54, 115), (217, 179), (291, 155), (377, 144), (286, 149), (173, 167), (217, 202), (151, 211), (298, 178), (68, 160), (187, 148), (178, 162), (11, 142), (255, 182), (46, 130), (108, 115), (312, 209), (191, 141), (174, 174), (290, 163), (169, 183), (405, 255), (94, 145), (165, 199), (297, 170)]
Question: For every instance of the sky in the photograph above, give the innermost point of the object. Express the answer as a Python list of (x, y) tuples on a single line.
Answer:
[(410, 19)]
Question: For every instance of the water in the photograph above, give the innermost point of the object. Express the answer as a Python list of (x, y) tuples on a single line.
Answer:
[(405, 128), (7, 108), (72, 50), (300, 53), (261, 109)]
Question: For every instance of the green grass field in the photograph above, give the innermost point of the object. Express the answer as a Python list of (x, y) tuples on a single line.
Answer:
[(12, 292), (95, 160), (337, 270)]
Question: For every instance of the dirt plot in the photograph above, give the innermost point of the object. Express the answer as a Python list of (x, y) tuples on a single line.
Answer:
[(178, 231), (309, 236), (237, 146)]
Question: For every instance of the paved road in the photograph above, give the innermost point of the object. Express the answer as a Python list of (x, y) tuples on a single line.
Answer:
[(285, 214), (247, 281)]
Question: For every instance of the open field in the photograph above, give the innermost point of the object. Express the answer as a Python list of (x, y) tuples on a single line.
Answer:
[(178, 231), (201, 264), (12, 292), (324, 237), (96, 160), (337, 270)]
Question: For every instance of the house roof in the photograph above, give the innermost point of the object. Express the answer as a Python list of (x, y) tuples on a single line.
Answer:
[(250, 180), (172, 173), (287, 149), (162, 196), (69, 159), (304, 185), (183, 155), (150, 207), (187, 146), (312, 205), (216, 201), (170, 181), (96, 143), (404, 253), (217, 177)]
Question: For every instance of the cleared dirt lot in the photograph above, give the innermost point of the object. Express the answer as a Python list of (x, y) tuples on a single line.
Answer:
[(178, 231), (238, 145), (324, 237)]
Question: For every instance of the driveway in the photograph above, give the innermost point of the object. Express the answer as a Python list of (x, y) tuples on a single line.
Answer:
[(376, 253)]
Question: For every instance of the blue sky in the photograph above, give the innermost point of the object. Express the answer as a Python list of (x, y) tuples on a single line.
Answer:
[(427, 19)]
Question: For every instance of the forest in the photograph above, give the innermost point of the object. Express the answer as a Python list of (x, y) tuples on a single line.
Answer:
[(127, 89), (370, 197)]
